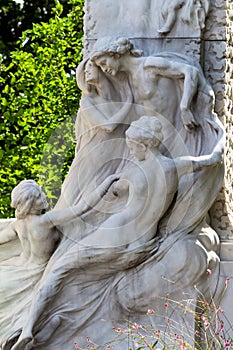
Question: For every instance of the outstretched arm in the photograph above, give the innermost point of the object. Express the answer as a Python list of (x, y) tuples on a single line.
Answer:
[(8, 234), (87, 202), (190, 164)]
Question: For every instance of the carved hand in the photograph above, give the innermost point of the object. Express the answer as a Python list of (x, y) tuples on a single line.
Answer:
[(108, 128), (103, 188), (188, 119)]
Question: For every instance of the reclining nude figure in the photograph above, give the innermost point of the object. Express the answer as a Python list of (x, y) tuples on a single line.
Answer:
[(150, 182)]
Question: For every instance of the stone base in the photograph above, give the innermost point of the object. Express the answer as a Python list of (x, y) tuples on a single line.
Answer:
[(226, 276), (226, 252)]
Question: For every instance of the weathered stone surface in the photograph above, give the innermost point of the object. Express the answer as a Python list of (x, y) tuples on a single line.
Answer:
[(134, 207)]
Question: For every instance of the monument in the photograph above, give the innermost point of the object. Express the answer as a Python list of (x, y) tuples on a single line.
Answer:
[(137, 227)]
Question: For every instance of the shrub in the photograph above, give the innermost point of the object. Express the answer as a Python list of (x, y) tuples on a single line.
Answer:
[(39, 96)]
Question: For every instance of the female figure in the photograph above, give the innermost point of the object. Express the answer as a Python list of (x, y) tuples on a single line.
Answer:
[(100, 126), (38, 237), (128, 237), (171, 85), (167, 83)]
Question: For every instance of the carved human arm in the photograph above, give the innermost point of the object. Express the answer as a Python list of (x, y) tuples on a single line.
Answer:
[(172, 69), (103, 119), (120, 115), (8, 234), (92, 111), (188, 164), (87, 202)]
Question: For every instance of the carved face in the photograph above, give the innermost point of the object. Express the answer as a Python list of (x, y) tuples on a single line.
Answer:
[(91, 72), (41, 202), (137, 149), (108, 64)]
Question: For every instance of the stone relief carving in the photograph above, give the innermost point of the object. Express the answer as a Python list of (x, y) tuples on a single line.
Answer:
[(183, 18), (189, 12), (133, 211)]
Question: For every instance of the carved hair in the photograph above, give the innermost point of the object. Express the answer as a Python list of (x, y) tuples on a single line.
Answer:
[(103, 86), (23, 197), (112, 47), (147, 130), (80, 77)]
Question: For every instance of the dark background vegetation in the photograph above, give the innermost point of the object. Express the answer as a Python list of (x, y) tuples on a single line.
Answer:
[(15, 19), (40, 47)]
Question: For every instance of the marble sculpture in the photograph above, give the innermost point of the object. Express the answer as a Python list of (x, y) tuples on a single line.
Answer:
[(131, 225)]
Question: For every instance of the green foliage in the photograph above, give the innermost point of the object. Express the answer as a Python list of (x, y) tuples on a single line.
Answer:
[(39, 97)]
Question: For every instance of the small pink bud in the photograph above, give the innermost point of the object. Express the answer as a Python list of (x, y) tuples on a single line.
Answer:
[(208, 271), (166, 305), (227, 281), (150, 312)]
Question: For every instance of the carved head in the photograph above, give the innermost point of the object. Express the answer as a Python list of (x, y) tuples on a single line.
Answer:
[(28, 198), (107, 52), (144, 133), (87, 74), (91, 72)]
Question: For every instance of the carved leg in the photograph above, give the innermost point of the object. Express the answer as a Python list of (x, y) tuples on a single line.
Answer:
[(48, 330), (171, 17), (50, 285)]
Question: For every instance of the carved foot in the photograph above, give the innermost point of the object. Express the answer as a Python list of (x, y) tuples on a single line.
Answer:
[(164, 30), (23, 344), (11, 340), (188, 120)]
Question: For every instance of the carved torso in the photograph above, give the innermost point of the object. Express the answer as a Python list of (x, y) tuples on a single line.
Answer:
[(153, 91)]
